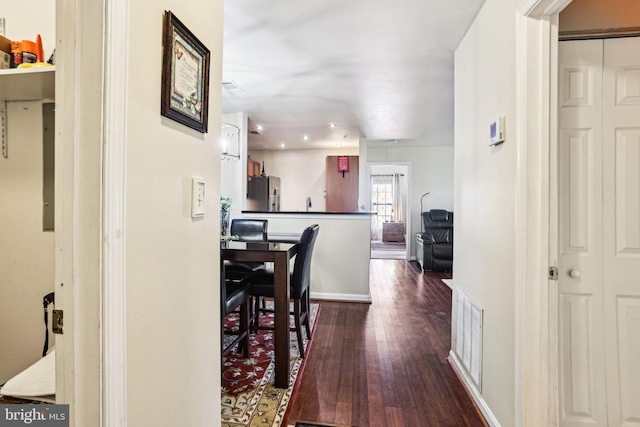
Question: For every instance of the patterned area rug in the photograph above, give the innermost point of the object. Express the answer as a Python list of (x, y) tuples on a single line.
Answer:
[(312, 425), (6, 400), (249, 398)]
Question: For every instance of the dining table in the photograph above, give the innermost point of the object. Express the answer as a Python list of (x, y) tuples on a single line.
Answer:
[(278, 249)]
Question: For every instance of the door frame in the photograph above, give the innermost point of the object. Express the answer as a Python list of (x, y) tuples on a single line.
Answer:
[(114, 302), (90, 210), (536, 212), (78, 204), (536, 206), (408, 222)]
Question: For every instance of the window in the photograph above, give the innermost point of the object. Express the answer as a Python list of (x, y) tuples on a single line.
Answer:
[(381, 203), (382, 198)]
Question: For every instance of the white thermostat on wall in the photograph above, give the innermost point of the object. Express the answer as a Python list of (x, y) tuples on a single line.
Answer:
[(496, 132)]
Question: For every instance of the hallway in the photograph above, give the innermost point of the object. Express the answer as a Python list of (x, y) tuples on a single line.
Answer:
[(391, 250), (384, 364)]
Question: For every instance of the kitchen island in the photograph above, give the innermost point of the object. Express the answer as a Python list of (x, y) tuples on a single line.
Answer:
[(340, 261)]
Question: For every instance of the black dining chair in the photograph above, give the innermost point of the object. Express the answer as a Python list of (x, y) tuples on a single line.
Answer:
[(234, 294), (247, 230), (262, 285)]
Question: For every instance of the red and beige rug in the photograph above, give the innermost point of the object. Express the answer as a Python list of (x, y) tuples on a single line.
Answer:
[(249, 398)]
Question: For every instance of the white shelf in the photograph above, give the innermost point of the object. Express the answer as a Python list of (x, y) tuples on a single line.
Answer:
[(23, 84), (27, 84)]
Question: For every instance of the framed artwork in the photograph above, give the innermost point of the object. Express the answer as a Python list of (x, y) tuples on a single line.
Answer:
[(185, 75)]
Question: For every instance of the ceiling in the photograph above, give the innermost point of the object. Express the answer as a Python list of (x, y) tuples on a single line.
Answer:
[(377, 69)]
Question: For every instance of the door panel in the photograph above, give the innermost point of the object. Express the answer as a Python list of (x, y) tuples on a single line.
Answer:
[(579, 391), (581, 332), (341, 189), (621, 228), (626, 376), (627, 191)]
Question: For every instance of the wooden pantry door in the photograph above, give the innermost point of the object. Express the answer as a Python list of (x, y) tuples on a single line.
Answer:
[(341, 190)]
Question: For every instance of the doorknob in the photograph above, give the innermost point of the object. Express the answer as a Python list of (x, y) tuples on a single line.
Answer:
[(574, 273)]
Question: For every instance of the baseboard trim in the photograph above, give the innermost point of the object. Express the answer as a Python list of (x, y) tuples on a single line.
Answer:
[(321, 296), (472, 390), (448, 282)]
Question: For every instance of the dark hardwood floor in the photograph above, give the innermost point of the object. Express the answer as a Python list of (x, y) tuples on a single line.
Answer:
[(385, 364)]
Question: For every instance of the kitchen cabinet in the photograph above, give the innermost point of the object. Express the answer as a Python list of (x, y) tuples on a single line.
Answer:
[(253, 168)]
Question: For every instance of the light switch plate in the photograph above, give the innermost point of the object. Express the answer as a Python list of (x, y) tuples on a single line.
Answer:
[(197, 198)]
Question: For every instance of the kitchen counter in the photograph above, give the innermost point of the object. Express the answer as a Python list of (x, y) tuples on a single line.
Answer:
[(308, 213)]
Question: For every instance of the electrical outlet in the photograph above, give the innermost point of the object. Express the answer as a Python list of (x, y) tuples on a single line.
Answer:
[(3, 28)]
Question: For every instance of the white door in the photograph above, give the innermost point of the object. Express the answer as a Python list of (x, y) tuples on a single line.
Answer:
[(580, 329), (621, 245), (599, 239)]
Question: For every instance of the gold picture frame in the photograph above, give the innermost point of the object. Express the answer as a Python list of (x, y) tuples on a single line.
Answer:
[(185, 75)]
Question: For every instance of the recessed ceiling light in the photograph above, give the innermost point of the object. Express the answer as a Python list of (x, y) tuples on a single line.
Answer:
[(332, 125), (282, 145), (259, 127), (306, 137)]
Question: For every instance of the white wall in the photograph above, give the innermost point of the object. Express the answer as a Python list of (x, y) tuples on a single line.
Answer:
[(302, 175), (431, 171), (173, 310), (26, 251), (25, 19), (484, 194), (334, 276), (171, 281), (233, 173)]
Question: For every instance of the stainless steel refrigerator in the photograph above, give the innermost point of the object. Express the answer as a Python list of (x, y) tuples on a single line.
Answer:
[(263, 194)]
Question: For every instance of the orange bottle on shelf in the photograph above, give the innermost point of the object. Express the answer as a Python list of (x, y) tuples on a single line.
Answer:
[(39, 51), (29, 52)]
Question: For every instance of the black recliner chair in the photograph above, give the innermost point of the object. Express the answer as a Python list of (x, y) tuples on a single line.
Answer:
[(434, 246)]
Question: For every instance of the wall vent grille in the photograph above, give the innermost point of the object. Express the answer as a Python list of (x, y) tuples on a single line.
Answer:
[(231, 86), (469, 337)]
